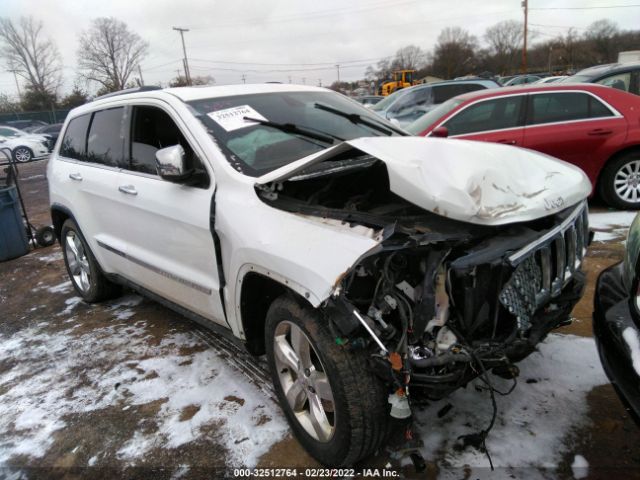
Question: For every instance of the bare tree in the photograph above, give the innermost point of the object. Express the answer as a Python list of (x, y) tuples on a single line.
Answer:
[(602, 35), (109, 53), (31, 55), (410, 57), (505, 43), (455, 52)]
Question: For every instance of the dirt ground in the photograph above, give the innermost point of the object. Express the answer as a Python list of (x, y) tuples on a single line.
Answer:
[(74, 407)]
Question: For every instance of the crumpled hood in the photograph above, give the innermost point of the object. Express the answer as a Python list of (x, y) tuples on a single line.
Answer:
[(477, 182)]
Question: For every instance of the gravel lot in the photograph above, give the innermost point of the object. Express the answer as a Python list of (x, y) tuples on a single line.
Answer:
[(129, 388)]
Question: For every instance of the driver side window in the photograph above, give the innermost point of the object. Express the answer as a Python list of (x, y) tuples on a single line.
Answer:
[(151, 130)]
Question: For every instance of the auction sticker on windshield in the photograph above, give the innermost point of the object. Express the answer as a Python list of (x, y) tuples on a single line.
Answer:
[(233, 118)]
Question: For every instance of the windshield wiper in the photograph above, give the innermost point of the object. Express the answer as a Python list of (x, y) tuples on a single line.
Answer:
[(359, 119), (292, 128)]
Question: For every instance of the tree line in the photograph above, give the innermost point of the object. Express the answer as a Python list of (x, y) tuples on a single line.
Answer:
[(458, 53)]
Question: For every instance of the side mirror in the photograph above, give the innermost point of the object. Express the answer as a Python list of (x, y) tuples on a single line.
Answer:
[(171, 164), (440, 132), (395, 122)]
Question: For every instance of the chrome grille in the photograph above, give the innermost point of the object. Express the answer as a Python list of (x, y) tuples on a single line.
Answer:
[(544, 267)]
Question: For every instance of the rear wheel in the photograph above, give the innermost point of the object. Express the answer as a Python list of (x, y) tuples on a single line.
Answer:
[(620, 181), (85, 273), (335, 406), (22, 154)]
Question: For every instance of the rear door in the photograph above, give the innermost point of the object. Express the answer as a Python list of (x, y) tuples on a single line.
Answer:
[(574, 126), (170, 247), (497, 119), (92, 152)]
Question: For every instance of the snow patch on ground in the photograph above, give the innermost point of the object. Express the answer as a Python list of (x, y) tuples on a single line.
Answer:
[(53, 257), (45, 377), (610, 225), (580, 467), (70, 303), (60, 288), (532, 422)]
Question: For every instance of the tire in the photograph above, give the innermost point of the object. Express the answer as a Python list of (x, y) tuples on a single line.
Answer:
[(83, 269), (22, 154), (45, 236), (357, 420), (622, 172)]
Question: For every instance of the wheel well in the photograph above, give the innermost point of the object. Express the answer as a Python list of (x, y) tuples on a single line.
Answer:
[(58, 217), (258, 292)]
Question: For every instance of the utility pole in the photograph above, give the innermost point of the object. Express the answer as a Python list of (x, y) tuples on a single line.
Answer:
[(244, 78), (140, 73), (525, 6), (338, 69), (15, 77), (187, 72)]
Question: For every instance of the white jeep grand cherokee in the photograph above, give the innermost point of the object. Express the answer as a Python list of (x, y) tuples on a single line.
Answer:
[(366, 264)]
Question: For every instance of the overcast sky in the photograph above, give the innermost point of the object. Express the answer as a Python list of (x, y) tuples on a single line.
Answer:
[(297, 40)]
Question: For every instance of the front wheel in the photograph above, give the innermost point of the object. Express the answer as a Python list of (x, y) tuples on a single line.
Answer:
[(620, 182), (22, 154), (335, 406)]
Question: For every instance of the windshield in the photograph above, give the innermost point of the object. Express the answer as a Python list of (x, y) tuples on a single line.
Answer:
[(428, 119), (387, 101), (287, 126)]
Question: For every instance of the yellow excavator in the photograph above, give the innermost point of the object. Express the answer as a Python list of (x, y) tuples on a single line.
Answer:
[(401, 79)]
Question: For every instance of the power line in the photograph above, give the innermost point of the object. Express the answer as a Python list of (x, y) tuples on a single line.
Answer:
[(289, 64), (308, 15), (586, 8)]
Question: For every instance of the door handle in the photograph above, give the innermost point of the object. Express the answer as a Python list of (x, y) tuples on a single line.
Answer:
[(128, 189), (507, 142), (599, 131), (75, 176)]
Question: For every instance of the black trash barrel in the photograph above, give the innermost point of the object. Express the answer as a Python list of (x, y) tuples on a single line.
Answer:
[(13, 235)]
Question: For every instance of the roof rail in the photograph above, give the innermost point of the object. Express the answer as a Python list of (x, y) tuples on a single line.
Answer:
[(126, 91)]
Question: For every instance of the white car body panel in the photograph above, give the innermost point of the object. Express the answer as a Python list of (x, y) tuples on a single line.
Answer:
[(485, 184)]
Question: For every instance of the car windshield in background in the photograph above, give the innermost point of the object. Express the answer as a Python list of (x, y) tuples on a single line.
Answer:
[(284, 127), (421, 124), (388, 100)]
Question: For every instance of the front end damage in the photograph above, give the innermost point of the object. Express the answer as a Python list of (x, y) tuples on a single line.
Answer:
[(439, 301)]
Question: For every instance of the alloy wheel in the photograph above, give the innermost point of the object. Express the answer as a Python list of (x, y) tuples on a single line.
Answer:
[(304, 381), (78, 261), (627, 182), (22, 154)]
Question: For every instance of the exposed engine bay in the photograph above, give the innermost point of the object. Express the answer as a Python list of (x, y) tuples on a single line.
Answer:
[(438, 302)]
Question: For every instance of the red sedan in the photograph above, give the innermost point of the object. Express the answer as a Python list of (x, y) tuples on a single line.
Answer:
[(594, 127)]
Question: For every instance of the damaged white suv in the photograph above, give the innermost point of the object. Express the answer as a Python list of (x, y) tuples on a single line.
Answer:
[(372, 268)]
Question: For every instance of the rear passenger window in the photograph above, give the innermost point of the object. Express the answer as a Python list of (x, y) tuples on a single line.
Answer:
[(494, 114), (153, 129), (105, 144), (75, 138), (564, 107)]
